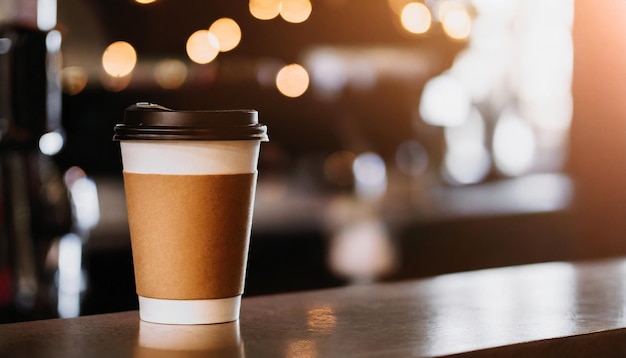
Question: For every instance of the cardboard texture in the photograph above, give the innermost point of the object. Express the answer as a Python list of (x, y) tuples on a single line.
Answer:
[(189, 233)]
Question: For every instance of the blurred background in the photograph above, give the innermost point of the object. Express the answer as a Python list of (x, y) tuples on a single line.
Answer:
[(408, 138)]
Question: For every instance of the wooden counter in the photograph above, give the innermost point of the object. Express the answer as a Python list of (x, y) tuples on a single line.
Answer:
[(543, 310)]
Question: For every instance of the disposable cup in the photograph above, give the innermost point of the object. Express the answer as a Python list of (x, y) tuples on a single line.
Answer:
[(190, 181)]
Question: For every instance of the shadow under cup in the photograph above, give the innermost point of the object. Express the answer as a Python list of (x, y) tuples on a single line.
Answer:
[(190, 181)]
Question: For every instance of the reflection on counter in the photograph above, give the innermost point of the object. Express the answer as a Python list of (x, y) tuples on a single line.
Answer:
[(213, 340), (543, 310), (550, 292)]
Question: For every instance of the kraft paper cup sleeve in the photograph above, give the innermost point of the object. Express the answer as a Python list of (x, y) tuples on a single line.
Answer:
[(190, 233)]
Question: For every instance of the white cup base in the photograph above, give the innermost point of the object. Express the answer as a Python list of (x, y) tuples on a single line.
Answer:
[(209, 311)]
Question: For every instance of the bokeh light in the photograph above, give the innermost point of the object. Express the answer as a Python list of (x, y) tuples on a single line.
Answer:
[(457, 23), (412, 158), (46, 12), (115, 84), (474, 128), (84, 195), (170, 73), (69, 275), (5, 45), (53, 41), (370, 174), (329, 72), (544, 75), (74, 80), (503, 11), (202, 47), (416, 18), (144, 2), (119, 59), (295, 11), (51, 143), (362, 251), (467, 162), (292, 80), (264, 9), (227, 32), (444, 102), (513, 145), (482, 69), (467, 159)]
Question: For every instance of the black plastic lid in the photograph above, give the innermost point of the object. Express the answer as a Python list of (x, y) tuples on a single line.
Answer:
[(149, 121)]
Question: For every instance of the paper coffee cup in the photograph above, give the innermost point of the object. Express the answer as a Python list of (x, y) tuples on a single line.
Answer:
[(190, 181)]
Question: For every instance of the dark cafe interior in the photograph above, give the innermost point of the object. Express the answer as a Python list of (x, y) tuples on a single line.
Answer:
[(413, 144)]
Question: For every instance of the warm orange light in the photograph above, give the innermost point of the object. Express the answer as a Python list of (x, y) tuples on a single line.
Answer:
[(227, 32), (292, 80), (295, 11), (321, 319), (202, 47), (416, 18), (397, 5), (119, 59), (457, 23), (301, 348), (74, 80), (143, 2), (115, 84), (170, 73), (264, 9)]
